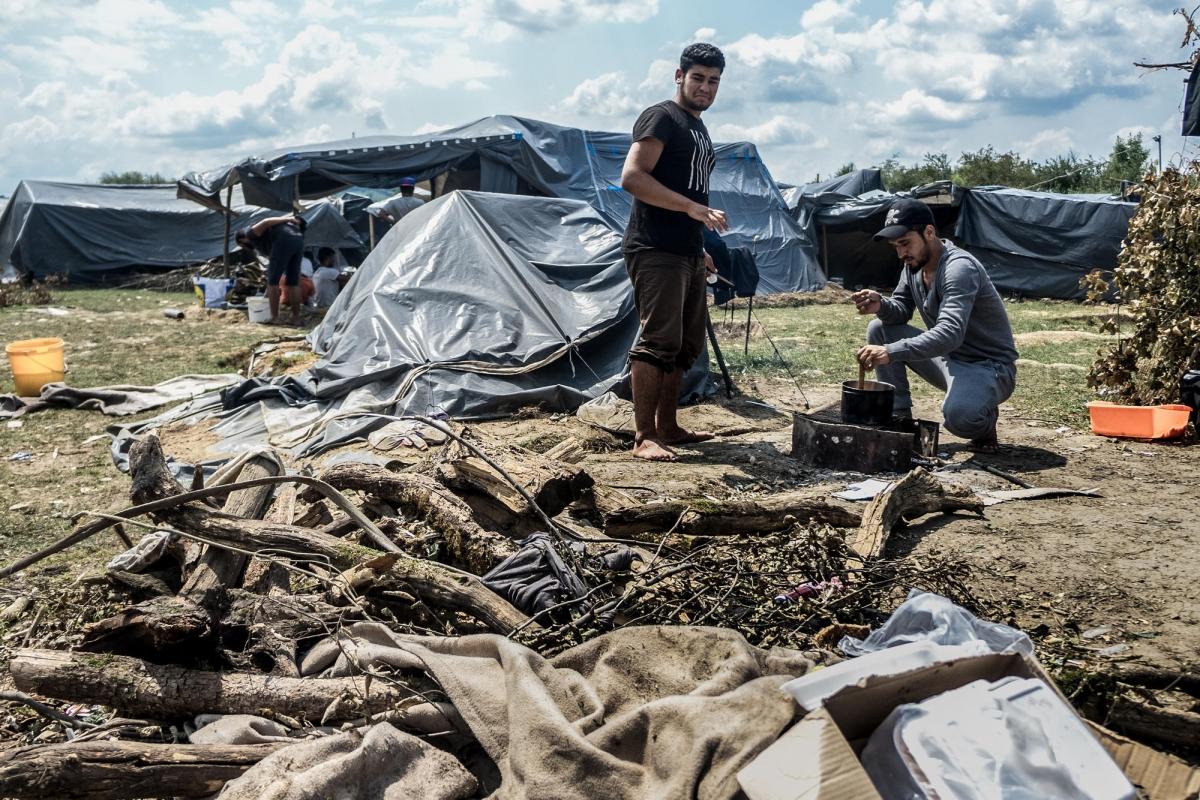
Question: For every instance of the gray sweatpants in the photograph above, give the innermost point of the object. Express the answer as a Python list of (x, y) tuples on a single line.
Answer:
[(974, 389)]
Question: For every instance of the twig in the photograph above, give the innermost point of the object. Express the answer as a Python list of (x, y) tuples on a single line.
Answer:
[(46, 711), (92, 528)]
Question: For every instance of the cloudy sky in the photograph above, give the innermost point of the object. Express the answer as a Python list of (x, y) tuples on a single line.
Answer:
[(154, 85)]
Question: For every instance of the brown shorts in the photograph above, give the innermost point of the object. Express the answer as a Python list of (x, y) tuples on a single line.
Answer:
[(668, 291)]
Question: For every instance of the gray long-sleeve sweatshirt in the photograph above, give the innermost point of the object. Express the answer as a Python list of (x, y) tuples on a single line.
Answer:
[(963, 313)]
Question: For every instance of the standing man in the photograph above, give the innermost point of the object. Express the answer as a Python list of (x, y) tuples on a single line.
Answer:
[(667, 172), (967, 350), (395, 208), (280, 239)]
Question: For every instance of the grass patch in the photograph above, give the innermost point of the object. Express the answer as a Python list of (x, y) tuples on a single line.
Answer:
[(819, 342), (112, 336)]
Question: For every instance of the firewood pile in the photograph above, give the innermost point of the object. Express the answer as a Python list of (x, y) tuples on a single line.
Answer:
[(256, 571)]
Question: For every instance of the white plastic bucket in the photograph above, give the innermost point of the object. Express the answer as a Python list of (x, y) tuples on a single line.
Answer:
[(259, 309)]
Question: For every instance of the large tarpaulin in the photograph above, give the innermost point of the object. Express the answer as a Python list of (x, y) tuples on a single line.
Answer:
[(474, 305), (523, 156), (1191, 103), (852, 184), (1039, 244), (96, 233)]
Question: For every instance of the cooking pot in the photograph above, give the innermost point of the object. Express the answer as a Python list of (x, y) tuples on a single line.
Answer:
[(869, 405)]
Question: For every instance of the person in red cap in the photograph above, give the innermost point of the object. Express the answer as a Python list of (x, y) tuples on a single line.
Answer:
[(967, 349), (395, 208)]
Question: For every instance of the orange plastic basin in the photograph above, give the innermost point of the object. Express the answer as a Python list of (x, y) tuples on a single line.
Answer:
[(1138, 422)]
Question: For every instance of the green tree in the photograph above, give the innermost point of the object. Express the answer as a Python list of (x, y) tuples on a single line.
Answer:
[(133, 177), (845, 169), (1128, 161), (933, 167)]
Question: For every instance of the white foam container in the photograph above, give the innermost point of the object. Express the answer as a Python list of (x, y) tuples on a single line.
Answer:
[(811, 690)]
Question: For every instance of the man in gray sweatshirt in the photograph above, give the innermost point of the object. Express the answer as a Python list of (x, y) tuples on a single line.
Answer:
[(967, 350)]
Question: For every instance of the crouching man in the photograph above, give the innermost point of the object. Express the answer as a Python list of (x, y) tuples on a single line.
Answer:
[(967, 350)]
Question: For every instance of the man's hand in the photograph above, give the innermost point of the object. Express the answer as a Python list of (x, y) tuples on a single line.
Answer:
[(867, 301), (713, 219), (873, 355), (709, 266)]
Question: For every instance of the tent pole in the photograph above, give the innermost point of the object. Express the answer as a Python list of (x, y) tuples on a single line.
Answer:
[(371, 226), (228, 222), (825, 250), (712, 338), (749, 316)]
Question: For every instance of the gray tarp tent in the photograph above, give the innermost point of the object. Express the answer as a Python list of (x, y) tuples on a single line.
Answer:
[(522, 156), (475, 305), (98, 233), (1039, 244), (852, 184)]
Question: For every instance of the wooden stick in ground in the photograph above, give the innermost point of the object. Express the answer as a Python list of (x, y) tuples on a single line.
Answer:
[(862, 377), (121, 770), (916, 494), (138, 688)]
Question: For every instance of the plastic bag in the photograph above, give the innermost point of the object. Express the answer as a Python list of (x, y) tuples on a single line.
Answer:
[(929, 617), (150, 548)]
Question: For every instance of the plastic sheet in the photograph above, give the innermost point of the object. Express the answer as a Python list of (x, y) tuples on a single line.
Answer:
[(929, 617), (516, 155)]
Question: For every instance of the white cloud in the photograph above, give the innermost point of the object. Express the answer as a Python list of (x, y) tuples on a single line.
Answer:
[(919, 110), (827, 13), (1046, 144), (605, 95), (704, 35), (779, 130)]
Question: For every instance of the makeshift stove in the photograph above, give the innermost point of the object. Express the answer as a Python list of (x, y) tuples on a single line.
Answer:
[(821, 438)]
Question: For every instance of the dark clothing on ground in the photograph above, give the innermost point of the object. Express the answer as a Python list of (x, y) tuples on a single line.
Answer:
[(685, 165), (284, 246), (967, 351), (669, 292)]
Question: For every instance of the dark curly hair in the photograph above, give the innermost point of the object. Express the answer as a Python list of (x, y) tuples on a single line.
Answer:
[(701, 54)]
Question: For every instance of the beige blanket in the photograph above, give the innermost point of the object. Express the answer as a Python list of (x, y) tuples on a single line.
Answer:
[(652, 712)]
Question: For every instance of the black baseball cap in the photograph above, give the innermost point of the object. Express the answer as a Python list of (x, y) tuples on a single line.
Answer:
[(904, 215)]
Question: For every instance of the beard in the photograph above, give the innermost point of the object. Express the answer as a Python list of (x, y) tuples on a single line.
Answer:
[(692, 104)]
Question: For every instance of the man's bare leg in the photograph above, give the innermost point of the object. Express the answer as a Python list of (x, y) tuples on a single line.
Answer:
[(665, 421), (647, 381), (294, 301), (273, 302)]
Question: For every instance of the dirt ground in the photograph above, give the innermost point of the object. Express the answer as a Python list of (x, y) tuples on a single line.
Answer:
[(1124, 562)]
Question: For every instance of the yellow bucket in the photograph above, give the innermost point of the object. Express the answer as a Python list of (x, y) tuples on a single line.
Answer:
[(35, 362)]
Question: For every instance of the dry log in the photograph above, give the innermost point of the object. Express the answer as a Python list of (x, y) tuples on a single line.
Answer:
[(916, 494), (553, 485), (431, 581), (180, 627), (708, 517), (119, 770), (268, 577), (1142, 721), (469, 545), (140, 689), (569, 451), (1157, 678), (218, 568)]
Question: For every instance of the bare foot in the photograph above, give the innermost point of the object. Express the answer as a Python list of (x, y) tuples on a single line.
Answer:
[(684, 436), (652, 450)]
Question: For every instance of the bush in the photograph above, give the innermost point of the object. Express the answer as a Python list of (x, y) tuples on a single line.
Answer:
[(1157, 284)]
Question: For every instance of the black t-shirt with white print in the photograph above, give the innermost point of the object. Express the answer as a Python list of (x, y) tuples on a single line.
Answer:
[(685, 165)]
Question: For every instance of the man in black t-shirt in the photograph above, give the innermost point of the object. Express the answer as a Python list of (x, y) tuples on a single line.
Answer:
[(667, 172)]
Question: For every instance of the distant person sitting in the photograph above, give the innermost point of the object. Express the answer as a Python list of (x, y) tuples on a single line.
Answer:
[(396, 208), (308, 288), (326, 277), (280, 239)]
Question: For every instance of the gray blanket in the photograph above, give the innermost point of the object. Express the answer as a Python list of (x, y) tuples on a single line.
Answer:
[(115, 401)]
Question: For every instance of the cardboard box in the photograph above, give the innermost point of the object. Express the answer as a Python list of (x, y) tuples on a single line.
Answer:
[(817, 759)]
